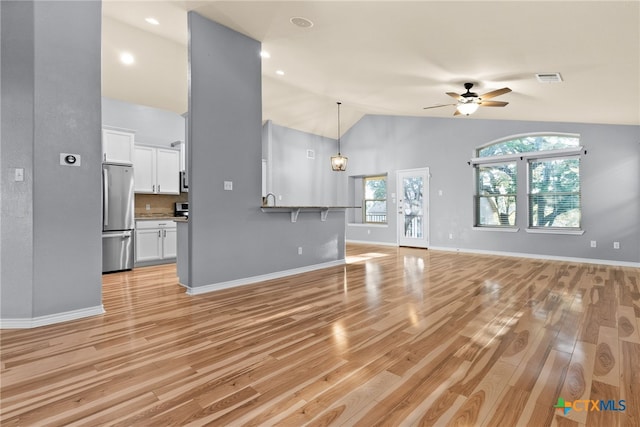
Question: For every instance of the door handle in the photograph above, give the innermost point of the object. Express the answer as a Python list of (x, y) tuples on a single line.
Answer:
[(105, 197), (123, 235)]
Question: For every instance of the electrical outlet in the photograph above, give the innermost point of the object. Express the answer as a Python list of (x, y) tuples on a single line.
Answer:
[(148, 207), (616, 245), (228, 185), (450, 236), (299, 250), (594, 244)]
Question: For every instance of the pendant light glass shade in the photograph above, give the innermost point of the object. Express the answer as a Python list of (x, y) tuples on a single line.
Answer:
[(339, 162)]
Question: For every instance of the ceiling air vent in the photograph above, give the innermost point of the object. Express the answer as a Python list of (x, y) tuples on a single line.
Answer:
[(549, 77)]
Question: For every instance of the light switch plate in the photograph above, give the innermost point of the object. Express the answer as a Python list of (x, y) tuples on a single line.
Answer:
[(228, 185), (19, 175)]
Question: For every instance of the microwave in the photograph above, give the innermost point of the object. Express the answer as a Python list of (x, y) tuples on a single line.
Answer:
[(182, 209), (184, 182)]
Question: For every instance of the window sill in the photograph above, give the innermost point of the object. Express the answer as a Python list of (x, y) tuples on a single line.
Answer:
[(366, 224), (502, 229), (551, 231)]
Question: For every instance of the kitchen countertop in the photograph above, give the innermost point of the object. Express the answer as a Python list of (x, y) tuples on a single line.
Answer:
[(159, 218)]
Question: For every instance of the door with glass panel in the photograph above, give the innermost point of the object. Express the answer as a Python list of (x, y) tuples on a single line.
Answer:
[(413, 209)]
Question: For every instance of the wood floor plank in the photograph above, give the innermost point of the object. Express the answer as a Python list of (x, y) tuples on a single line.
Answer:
[(396, 337)]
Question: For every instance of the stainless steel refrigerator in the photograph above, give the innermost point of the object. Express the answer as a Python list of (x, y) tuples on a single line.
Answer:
[(117, 217)]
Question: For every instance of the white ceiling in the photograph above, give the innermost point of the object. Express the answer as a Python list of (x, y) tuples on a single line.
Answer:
[(395, 57)]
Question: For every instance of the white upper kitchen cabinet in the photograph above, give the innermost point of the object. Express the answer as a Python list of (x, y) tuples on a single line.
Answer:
[(168, 171), (156, 170), (144, 169), (117, 146)]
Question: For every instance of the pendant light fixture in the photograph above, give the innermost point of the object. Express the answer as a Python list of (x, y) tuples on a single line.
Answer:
[(339, 162)]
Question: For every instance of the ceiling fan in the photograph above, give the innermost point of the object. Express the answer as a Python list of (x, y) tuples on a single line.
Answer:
[(469, 101)]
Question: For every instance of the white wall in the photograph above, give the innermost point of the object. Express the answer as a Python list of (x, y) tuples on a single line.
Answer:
[(153, 126)]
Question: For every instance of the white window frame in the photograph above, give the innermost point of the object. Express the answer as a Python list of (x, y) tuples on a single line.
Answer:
[(477, 196), (378, 177), (528, 157), (551, 229)]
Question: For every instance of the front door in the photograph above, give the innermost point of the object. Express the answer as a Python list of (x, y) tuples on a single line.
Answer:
[(413, 198)]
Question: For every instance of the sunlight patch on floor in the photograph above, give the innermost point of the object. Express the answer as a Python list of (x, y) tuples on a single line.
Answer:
[(363, 257)]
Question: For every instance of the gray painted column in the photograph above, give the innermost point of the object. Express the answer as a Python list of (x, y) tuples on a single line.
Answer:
[(51, 235), (230, 238)]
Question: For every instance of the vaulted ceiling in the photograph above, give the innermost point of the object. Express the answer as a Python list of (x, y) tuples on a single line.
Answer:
[(394, 57)]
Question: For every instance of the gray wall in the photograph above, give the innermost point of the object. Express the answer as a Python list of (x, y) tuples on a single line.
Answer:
[(229, 236), (51, 236), (610, 176), (153, 126), (296, 179)]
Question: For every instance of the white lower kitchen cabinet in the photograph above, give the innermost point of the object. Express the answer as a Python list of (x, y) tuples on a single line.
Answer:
[(156, 241), (170, 242)]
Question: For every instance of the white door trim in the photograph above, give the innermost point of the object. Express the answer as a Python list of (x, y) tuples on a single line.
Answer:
[(402, 240)]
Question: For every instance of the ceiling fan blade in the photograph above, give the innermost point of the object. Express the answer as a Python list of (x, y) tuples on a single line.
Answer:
[(493, 103), (438, 106), (495, 93), (454, 95)]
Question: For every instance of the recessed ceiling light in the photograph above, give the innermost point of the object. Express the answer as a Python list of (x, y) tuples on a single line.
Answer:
[(127, 58), (280, 72), (301, 22), (265, 54), (152, 21)]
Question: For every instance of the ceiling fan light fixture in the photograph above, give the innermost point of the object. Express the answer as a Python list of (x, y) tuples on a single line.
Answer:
[(339, 162), (467, 108)]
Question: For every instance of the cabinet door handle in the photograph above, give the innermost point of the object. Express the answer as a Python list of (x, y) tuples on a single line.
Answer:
[(153, 188), (165, 233), (104, 157), (158, 188), (159, 233)]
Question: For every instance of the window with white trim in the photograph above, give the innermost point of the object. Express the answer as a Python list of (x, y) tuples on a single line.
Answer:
[(496, 195), (552, 182), (375, 199), (554, 193)]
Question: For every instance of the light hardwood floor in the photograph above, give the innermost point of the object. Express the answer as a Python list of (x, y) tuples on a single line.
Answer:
[(398, 336)]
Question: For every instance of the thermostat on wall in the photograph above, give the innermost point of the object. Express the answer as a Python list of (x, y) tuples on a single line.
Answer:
[(68, 159)]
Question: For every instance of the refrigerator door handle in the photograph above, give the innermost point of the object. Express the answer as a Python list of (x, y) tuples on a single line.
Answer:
[(105, 197), (124, 235)]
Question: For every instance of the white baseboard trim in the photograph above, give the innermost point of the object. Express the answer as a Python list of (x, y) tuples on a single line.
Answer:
[(370, 242), (51, 319), (538, 256), (261, 278)]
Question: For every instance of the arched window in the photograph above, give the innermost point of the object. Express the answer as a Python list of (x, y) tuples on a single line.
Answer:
[(552, 182)]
